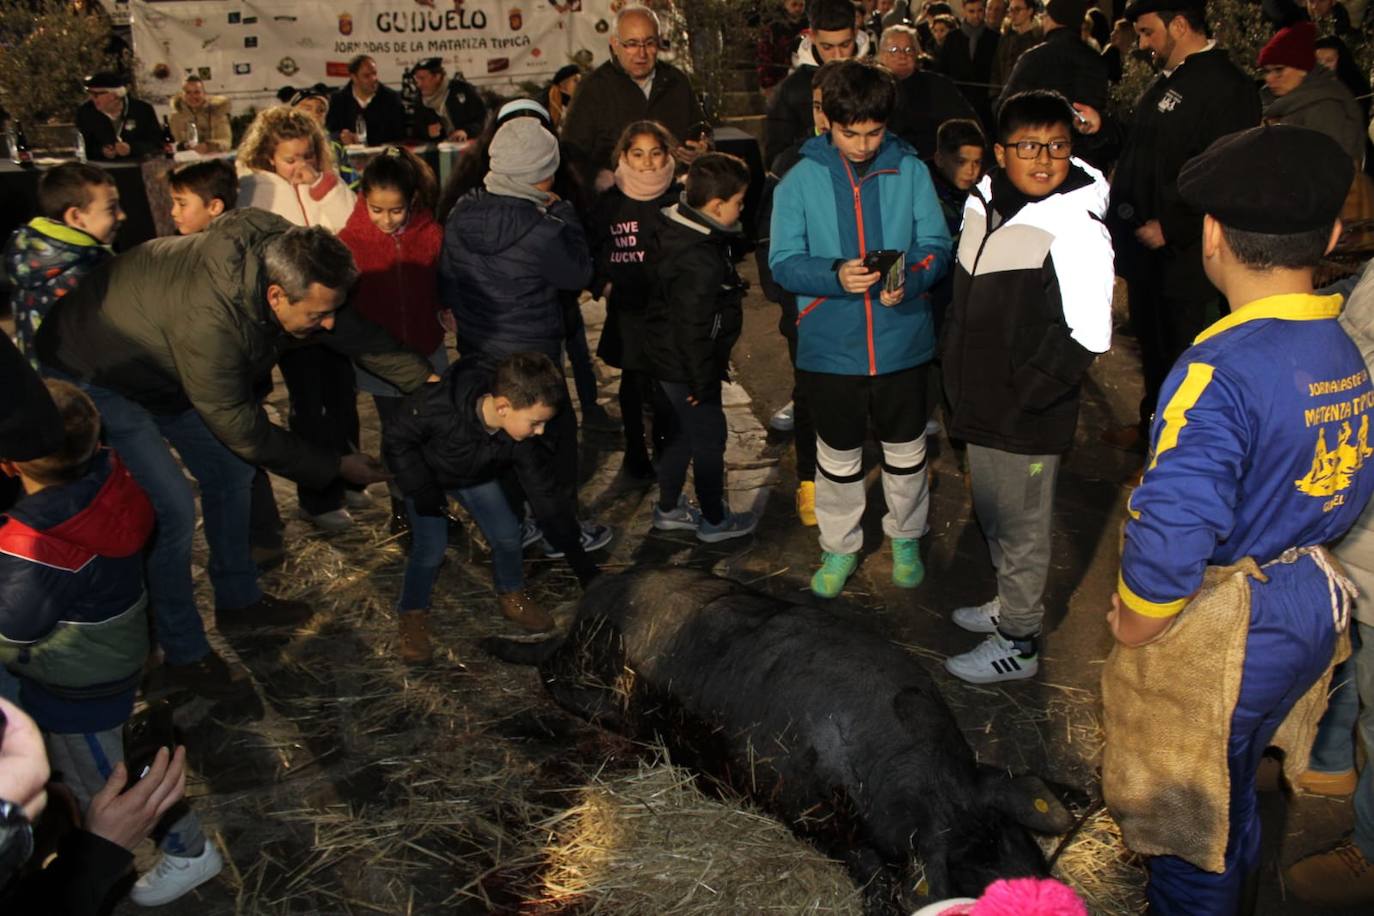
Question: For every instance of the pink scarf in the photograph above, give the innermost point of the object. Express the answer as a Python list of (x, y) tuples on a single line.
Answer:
[(638, 185)]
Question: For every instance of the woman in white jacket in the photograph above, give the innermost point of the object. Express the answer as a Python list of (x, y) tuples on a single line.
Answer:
[(285, 166)]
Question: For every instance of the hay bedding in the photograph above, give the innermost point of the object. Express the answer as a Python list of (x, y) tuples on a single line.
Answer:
[(460, 817)]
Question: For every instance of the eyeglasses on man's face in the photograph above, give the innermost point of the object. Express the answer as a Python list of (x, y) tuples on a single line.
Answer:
[(634, 44), (1030, 149), (900, 49)]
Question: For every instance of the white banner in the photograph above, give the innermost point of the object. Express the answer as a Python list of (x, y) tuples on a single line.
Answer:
[(251, 48)]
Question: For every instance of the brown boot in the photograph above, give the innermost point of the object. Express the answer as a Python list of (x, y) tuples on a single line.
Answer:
[(520, 609), (415, 645), (1339, 877)]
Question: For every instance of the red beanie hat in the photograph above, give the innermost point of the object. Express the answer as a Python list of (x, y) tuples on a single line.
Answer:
[(1294, 46)]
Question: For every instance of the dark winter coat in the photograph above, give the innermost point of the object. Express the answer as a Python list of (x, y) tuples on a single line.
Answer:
[(925, 101), (183, 323), (1032, 308), (73, 612), (398, 276), (840, 733), (438, 442), (695, 311), (608, 100), (789, 118), (1321, 102), (787, 323), (777, 42), (970, 66), (385, 115), (622, 230), (1061, 63), (504, 261), (464, 106), (139, 127), (1010, 47), (1176, 118)]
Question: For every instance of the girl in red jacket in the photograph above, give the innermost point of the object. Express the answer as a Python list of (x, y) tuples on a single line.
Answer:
[(395, 242)]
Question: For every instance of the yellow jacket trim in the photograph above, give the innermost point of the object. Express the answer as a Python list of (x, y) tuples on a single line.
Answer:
[(61, 231), (1176, 415), (1286, 306), (1147, 608)]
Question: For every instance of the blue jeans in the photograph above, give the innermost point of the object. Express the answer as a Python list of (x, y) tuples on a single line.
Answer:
[(487, 505), (141, 438), (1288, 647), (1333, 750)]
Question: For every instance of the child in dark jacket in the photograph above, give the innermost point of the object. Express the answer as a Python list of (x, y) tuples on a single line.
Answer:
[(74, 621), (79, 215), (693, 321), (510, 247), (459, 436), (621, 226), (1035, 257), (396, 244)]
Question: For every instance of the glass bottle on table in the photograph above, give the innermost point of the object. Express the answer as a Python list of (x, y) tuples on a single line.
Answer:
[(19, 150), (80, 148), (169, 144), (192, 135), (360, 128)]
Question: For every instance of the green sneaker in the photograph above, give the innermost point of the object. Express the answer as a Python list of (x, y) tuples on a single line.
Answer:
[(907, 569), (835, 570)]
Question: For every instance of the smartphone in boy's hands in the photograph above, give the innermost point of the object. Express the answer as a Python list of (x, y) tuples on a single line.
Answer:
[(891, 264)]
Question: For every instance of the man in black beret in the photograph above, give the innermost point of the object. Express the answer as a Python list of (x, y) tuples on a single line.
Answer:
[(114, 124), (446, 108), (1198, 96), (1260, 450)]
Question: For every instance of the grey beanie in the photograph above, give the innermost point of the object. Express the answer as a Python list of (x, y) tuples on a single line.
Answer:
[(524, 151)]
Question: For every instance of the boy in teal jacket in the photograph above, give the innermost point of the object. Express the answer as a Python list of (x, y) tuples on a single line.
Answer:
[(862, 334)]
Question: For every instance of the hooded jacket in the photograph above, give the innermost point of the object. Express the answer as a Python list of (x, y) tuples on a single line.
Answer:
[(608, 100), (1322, 103), (825, 213), (695, 314), (438, 442), (73, 612), (211, 120), (398, 276), (328, 202), (1032, 308), (183, 323), (45, 260), (504, 261)]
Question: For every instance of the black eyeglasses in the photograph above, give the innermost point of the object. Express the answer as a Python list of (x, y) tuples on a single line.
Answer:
[(1030, 149)]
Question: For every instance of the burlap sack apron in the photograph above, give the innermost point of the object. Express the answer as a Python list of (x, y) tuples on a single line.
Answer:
[(1168, 708)]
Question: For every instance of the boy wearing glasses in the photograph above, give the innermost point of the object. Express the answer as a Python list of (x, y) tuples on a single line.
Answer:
[(1032, 308)]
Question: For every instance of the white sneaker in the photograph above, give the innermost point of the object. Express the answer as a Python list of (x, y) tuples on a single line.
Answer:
[(357, 499), (174, 876), (333, 522), (783, 419), (980, 619), (932, 427), (995, 659)]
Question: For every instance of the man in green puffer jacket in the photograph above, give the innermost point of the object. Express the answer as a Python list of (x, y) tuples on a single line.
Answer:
[(168, 339)]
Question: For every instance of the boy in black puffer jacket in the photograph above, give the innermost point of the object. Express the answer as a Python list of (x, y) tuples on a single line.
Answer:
[(693, 321), (458, 437)]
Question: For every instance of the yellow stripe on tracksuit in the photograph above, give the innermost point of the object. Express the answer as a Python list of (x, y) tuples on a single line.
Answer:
[(1175, 418)]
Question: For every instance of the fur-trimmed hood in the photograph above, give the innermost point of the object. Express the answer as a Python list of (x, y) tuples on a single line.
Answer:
[(218, 104)]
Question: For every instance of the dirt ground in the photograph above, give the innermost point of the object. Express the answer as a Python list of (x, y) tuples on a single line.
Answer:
[(368, 787)]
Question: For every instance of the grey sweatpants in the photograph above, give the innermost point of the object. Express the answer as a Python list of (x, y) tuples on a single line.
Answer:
[(1013, 497), (83, 763)]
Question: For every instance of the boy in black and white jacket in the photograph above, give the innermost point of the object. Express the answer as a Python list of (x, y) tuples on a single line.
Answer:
[(1031, 310)]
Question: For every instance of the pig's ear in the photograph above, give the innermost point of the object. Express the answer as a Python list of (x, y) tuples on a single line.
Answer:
[(1026, 800)]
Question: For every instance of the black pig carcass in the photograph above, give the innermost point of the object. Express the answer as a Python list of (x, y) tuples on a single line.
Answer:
[(832, 728)]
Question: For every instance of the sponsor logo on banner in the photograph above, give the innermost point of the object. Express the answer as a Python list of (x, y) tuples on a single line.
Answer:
[(497, 64), (242, 69), (287, 67), (336, 68), (345, 24), (517, 19)]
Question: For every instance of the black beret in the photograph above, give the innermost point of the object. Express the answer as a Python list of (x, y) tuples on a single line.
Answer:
[(1278, 179), (104, 80), (564, 72), (432, 64), (1137, 8)]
